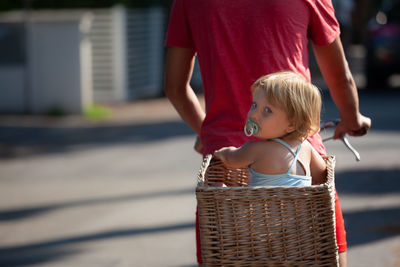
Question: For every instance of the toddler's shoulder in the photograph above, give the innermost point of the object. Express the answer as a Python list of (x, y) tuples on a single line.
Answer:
[(273, 158), (265, 145), (264, 149)]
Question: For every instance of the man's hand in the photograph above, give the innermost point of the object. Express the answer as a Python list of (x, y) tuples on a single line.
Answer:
[(359, 129)]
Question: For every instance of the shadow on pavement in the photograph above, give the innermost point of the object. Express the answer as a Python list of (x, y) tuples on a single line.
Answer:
[(370, 224), (368, 181), (14, 258), (29, 141), (24, 213), (54, 250)]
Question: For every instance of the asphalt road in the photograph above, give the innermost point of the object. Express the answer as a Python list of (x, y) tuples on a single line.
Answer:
[(121, 192)]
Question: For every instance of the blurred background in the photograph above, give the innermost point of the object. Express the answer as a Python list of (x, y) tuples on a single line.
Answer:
[(97, 169)]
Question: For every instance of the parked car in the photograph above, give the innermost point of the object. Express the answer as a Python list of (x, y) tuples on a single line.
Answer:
[(383, 46)]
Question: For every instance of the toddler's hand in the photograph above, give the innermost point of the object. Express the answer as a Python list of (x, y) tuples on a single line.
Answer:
[(198, 146), (222, 153)]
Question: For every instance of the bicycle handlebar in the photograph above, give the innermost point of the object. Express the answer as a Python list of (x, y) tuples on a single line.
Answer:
[(334, 123)]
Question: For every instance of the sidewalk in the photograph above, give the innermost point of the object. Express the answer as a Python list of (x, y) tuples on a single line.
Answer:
[(143, 111)]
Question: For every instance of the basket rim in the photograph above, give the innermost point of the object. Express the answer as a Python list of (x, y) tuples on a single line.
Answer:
[(203, 187), (330, 161)]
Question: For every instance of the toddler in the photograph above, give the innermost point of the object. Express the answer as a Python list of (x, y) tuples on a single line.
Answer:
[(284, 113)]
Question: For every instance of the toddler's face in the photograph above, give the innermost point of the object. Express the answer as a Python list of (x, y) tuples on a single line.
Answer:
[(271, 120)]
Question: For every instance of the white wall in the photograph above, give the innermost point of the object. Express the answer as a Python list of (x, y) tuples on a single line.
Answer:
[(57, 72), (54, 66), (77, 56)]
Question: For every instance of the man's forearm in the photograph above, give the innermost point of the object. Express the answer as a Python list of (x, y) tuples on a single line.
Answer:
[(179, 69), (189, 108), (344, 94), (338, 77)]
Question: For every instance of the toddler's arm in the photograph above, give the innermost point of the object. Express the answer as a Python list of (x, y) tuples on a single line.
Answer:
[(317, 167), (236, 157)]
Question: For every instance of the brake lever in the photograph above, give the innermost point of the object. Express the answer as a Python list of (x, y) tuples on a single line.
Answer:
[(351, 148), (344, 139)]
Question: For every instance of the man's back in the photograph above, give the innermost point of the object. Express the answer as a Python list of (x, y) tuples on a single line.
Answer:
[(237, 42)]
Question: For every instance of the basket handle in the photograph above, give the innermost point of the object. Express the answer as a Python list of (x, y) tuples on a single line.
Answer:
[(203, 169)]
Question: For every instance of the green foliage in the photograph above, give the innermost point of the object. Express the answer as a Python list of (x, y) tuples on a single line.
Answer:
[(97, 112)]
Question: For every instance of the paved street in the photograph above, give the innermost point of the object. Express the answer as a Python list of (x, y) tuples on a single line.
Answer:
[(121, 192)]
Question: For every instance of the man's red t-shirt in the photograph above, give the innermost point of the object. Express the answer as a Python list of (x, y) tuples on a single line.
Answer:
[(239, 41)]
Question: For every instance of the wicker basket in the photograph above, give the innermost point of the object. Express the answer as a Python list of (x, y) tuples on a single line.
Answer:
[(264, 226)]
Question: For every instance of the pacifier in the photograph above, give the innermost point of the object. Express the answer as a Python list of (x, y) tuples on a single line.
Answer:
[(250, 128)]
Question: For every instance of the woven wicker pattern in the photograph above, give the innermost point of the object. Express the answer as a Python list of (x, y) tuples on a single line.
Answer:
[(265, 226)]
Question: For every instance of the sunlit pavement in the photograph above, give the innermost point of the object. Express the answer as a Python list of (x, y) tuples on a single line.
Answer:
[(121, 192)]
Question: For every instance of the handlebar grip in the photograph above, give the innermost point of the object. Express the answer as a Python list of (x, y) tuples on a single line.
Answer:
[(359, 132)]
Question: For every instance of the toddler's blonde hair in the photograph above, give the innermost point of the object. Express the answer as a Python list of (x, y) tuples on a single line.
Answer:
[(298, 98)]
